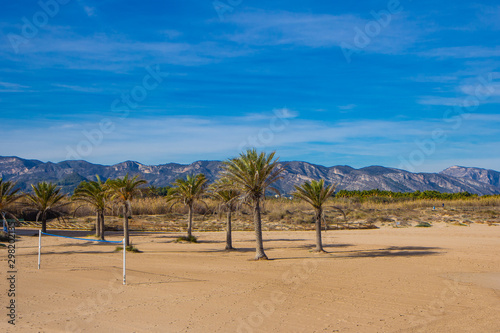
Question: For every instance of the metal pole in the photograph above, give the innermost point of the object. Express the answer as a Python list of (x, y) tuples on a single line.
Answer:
[(39, 246), (124, 261)]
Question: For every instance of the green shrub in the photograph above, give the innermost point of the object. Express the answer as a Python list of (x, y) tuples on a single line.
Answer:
[(4, 237), (130, 248), (191, 239)]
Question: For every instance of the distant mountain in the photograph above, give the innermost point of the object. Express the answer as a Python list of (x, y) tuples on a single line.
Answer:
[(485, 176), (69, 174)]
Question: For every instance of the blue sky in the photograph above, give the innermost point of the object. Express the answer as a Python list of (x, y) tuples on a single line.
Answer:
[(405, 84)]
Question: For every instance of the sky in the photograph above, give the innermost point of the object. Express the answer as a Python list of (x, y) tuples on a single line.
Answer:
[(407, 84)]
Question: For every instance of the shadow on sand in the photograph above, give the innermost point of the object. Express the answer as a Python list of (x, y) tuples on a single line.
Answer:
[(391, 251)]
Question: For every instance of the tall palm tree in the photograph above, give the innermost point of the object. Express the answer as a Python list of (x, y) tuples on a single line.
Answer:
[(316, 194), (96, 194), (253, 173), (224, 191), (125, 190), (48, 201), (8, 196), (188, 191)]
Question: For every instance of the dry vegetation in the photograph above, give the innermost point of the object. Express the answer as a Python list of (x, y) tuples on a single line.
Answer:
[(153, 214)]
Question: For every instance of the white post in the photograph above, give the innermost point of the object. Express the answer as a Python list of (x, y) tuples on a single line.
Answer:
[(124, 261), (39, 246)]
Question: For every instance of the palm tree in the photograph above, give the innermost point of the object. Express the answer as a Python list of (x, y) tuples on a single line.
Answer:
[(316, 194), (48, 201), (253, 173), (8, 196), (125, 190), (224, 191), (96, 195), (188, 191)]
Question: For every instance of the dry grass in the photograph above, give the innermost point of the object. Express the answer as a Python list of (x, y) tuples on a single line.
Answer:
[(284, 214)]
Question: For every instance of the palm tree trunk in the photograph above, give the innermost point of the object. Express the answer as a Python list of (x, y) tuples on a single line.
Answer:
[(259, 246), (319, 245), (44, 222), (97, 224), (125, 224), (229, 240), (101, 214), (190, 221)]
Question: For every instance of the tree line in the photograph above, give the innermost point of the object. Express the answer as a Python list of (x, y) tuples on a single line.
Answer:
[(243, 180)]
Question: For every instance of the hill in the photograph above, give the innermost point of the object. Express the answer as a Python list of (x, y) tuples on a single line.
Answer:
[(69, 173)]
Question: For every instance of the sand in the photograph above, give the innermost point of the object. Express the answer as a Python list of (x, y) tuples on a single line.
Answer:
[(439, 279)]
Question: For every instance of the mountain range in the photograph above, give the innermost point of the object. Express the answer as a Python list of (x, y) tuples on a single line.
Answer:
[(68, 174)]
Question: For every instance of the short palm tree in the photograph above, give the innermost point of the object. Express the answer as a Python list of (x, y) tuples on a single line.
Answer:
[(95, 194), (252, 174), (48, 201), (8, 197), (225, 192), (188, 191), (316, 194), (124, 190)]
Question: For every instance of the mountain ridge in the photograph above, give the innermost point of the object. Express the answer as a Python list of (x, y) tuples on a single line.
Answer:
[(69, 173)]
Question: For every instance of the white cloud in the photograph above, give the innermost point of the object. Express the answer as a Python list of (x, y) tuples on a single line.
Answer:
[(492, 89), (189, 138), (435, 78), (90, 11), (447, 101), (78, 88), (321, 30), (282, 113), (488, 17), (463, 52), (347, 107), (59, 46), (13, 87)]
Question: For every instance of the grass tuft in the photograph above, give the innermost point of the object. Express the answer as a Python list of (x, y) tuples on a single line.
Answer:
[(4, 237), (130, 248), (191, 239)]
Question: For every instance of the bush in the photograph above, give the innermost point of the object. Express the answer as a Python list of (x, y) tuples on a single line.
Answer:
[(423, 225), (191, 239), (130, 248), (4, 237)]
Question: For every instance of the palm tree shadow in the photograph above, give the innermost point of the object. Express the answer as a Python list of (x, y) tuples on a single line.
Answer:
[(391, 251), (284, 240), (201, 241), (327, 246), (221, 250), (75, 252)]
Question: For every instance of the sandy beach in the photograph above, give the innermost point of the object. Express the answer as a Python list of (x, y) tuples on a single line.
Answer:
[(439, 279)]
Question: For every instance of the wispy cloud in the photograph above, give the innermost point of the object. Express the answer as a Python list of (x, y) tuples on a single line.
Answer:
[(184, 139), (347, 107), (463, 52), (90, 11), (318, 30), (434, 78), (78, 88), (283, 113), (492, 89), (60, 47), (447, 101), (488, 16), (13, 87)]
